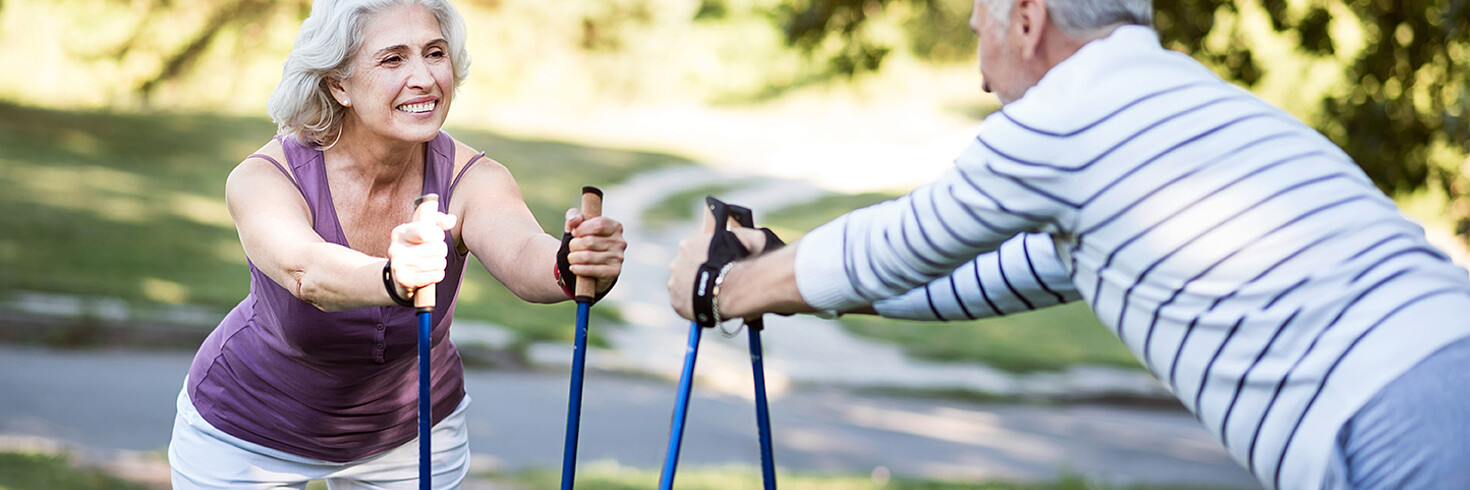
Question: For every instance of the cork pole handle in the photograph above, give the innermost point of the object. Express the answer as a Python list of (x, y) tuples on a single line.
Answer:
[(591, 208), (423, 212)]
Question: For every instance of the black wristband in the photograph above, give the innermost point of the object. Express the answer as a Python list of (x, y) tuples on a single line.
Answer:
[(392, 286), (704, 295)]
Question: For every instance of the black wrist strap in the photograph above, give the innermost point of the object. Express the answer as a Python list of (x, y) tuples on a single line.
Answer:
[(392, 286), (773, 242), (724, 248)]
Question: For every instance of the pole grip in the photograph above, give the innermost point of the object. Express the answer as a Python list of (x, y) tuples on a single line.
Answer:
[(423, 212), (591, 208)]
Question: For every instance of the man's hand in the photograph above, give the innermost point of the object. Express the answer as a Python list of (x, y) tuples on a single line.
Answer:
[(693, 252)]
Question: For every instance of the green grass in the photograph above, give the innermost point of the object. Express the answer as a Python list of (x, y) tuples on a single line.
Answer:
[(791, 222), (681, 207), (611, 476), (131, 206), (27, 471), (1044, 340)]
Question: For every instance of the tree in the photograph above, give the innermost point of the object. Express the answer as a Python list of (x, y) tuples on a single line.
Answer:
[(232, 14), (1401, 109)]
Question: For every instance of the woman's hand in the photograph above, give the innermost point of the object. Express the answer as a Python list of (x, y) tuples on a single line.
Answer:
[(596, 248), (418, 253)]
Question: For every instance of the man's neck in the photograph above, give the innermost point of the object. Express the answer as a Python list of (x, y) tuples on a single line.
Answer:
[(1057, 46)]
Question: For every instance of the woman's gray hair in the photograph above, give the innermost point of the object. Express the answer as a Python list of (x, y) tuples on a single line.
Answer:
[(330, 36), (1082, 18)]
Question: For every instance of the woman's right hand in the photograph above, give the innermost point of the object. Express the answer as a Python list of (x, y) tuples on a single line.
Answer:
[(418, 253)]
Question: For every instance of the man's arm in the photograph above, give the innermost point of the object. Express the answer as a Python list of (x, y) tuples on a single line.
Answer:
[(891, 248), (1024, 274)]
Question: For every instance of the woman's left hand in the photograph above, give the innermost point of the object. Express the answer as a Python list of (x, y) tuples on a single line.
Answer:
[(596, 248)]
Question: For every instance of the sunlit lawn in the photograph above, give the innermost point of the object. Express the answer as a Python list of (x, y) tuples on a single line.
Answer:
[(131, 207)]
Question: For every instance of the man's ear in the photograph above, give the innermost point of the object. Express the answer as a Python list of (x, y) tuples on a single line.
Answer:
[(334, 85), (1030, 20)]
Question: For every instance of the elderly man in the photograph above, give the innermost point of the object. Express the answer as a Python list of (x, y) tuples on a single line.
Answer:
[(1244, 258)]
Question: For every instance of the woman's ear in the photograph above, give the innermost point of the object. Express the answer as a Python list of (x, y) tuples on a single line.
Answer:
[(340, 94)]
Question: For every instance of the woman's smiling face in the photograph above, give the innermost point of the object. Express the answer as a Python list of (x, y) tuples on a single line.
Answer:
[(402, 77)]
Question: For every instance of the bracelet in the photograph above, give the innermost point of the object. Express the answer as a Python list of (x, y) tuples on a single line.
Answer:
[(714, 295), (392, 286), (556, 271)]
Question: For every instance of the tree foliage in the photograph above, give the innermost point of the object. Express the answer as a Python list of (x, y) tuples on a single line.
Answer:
[(234, 14), (1401, 108)]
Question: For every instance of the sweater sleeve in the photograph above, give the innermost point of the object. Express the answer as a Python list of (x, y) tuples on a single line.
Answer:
[(891, 248), (1024, 274)]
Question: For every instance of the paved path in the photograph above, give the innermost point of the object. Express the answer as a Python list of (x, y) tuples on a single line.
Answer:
[(104, 402)]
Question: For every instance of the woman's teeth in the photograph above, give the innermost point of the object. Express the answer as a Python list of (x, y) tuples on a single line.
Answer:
[(417, 108)]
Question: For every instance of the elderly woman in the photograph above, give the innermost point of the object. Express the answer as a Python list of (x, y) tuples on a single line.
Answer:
[(313, 375)]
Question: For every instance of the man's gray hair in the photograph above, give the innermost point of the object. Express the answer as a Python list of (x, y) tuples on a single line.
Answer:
[(1081, 18), (330, 36)]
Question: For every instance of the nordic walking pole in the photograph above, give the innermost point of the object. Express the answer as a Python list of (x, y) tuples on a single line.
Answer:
[(584, 295), (745, 218), (762, 412), (715, 219), (681, 409), (423, 303)]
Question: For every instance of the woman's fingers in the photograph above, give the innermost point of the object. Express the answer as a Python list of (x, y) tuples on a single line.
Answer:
[(597, 235), (604, 261), (598, 226), (573, 220), (597, 247), (446, 222), (415, 233), (418, 251)]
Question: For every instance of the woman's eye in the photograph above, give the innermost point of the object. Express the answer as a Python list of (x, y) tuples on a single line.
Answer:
[(392, 59), (437, 54)]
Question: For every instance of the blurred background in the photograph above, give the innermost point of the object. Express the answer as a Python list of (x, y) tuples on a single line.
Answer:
[(120, 119)]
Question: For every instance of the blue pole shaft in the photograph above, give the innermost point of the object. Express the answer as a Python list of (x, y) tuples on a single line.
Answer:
[(425, 411), (681, 409), (762, 412), (574, 399)]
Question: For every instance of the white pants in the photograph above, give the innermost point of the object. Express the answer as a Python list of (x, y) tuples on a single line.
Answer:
[(203, 457)]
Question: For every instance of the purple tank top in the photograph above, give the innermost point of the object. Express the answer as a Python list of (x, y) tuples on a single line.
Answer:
[(339, 386)]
